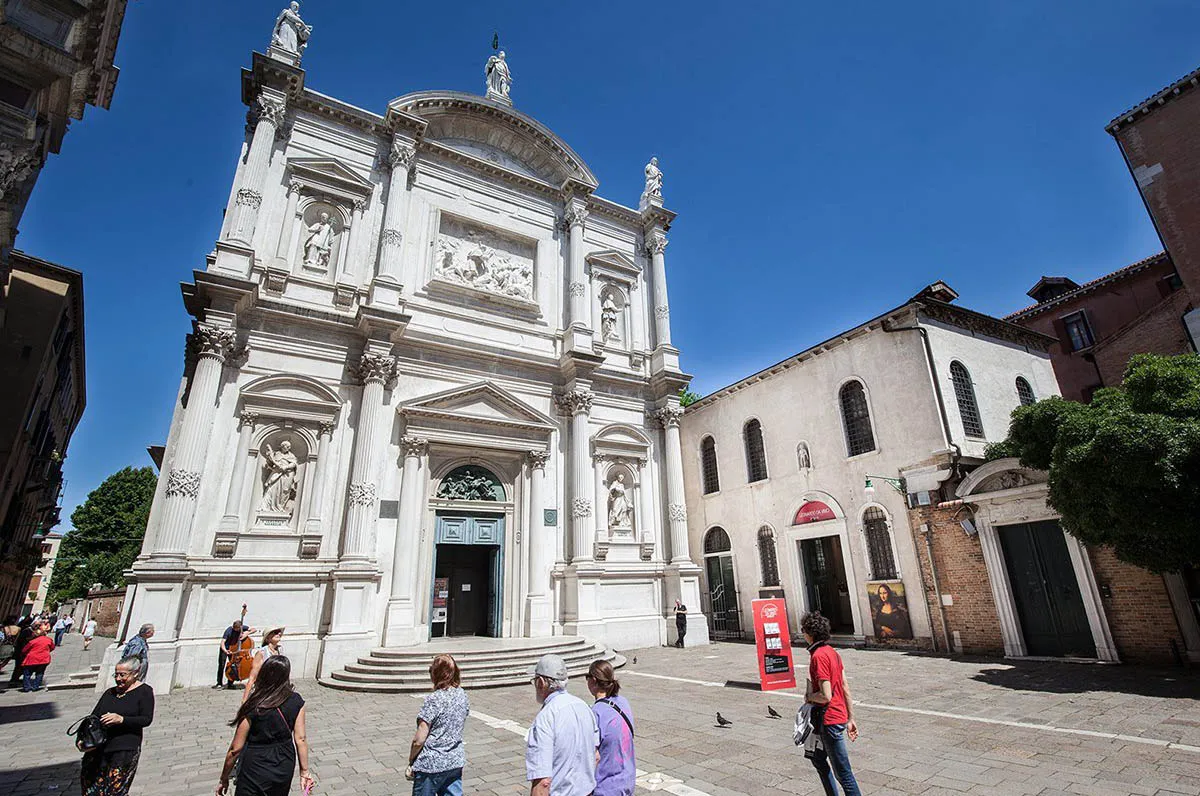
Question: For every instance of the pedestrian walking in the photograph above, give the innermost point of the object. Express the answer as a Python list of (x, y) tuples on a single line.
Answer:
[(269, 736), (680, 622), (125, 710), (60, 627), (828, 691), (139, 647), (89, 632), (616, 769), (25, 630), (272, 637), (36, 658), (8, 644), (437, 755), (560, 747)]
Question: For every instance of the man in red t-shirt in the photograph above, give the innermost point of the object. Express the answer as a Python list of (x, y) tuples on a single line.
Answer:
[(828, 690)]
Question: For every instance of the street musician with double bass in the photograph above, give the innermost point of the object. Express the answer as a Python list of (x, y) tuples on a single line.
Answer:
[(235, 656)]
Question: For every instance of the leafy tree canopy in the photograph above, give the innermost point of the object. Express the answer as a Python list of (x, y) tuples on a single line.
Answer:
[(1124, 469), (687, 397), (107, 534)]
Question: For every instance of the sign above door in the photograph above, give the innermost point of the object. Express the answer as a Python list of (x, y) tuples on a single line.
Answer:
[(813, 511)]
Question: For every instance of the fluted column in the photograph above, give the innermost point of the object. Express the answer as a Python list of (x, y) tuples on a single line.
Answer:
[(400, 158), (316, 487), (538, 583), (268, 111), (578, 404), (232, 520), (656, 244), (375, 370), (579, 308), (408, 527), (676, 505), (598, 466), (210, 344)]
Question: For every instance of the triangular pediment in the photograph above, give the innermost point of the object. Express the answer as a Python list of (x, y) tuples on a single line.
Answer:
[(613, 263), (483, 402), (329, 172)]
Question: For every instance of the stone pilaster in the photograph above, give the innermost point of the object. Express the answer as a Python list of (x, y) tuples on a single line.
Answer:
[(375, 371), (283, 254), (676, 507), (401, 614), (312, 525), (267, 111), (387, 286), (538, 607), (577, 404), (232, 521)]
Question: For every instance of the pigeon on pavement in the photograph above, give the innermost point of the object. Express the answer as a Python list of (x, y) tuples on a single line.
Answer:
[(635, 659), (722, 721), (772, 713)]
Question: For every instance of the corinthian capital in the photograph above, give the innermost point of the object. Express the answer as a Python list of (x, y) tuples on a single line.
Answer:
[(656, 243), (402, 155), (268, 109), (375, 367), (574, 214), (413, 446), (575, 402), (538, 459), (209, 340), (669, 416)]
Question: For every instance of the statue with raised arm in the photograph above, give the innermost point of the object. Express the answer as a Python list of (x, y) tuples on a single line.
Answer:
[(319, 243), (290, 33), (608, 318), (653, 179), (279, 479), (619, 510), (499, 79)]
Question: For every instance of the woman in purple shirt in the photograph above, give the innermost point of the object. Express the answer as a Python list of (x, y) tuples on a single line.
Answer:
[(616, 772)]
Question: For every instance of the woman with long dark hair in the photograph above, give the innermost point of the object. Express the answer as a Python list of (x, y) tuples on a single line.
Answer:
[(616, 768), (269, 737)]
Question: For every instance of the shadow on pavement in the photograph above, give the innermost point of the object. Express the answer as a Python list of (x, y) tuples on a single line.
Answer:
[(61, 779), (34, 711), (1074, 678)]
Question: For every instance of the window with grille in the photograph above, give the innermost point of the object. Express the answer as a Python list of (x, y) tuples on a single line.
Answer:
[(879, 544), (1025, 392), (716, 541), (857, 419), (964, 393), (708, 466), (767, 558), (756, 455)]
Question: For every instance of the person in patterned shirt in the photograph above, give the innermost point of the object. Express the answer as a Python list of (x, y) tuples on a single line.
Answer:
[(437, 756)]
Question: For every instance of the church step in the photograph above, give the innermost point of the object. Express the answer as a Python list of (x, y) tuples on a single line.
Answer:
[(421, 664), (536, 647), (483, 672)]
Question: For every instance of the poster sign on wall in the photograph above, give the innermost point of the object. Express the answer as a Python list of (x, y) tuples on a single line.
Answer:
[(813, 511), (889, 609), (774, 644)]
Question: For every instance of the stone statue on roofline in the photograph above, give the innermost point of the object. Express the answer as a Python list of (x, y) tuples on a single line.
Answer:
[(290, 34), (499, 79), (654, 179)]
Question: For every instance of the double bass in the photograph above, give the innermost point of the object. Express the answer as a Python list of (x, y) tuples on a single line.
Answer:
[(241, 654)]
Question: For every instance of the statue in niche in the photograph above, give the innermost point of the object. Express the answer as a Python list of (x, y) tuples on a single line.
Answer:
[(654, 179), (805, 459), (290, 32), (279, 480), (319, 243), (620, 512), (499, 79), (608, 318)]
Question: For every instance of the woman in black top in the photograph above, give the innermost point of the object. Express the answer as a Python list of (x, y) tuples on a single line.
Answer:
[(269, 735), (124, 710)]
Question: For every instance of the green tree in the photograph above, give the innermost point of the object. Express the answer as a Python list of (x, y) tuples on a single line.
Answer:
[(107, 534), (687, 397), (1124, 469)]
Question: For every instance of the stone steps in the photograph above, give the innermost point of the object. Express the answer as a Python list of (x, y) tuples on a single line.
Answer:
[(80, 680), (406, 670)]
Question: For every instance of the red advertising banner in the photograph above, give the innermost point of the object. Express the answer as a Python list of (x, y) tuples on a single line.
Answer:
[(813, 511), (774, 644)]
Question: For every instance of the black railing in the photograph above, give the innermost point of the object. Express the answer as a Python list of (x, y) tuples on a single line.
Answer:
[(724, 617)]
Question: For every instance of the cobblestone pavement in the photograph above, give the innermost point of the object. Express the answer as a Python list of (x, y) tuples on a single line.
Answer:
[(929, 725)]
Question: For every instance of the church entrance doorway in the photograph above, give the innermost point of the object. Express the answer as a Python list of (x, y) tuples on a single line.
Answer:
[(825, 581), (468, 570)]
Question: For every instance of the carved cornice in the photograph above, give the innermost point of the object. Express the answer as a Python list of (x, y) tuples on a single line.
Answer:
[(669, 416), (538, 459), (575, 402), (979, 323), (375, 367), (413, 446)]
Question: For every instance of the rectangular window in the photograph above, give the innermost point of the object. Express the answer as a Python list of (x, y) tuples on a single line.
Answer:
[(1079, 331)]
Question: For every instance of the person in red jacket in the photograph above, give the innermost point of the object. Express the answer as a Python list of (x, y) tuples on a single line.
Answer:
[(37, 658)]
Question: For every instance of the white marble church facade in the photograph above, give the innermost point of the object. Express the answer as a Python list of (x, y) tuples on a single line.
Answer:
[(423, 349)]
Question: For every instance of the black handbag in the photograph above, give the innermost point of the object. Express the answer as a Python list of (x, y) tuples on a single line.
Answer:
[(89, 733)]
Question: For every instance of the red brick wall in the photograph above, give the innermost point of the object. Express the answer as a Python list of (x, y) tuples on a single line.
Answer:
[(106, 610), (1139, 612), (1159, 331), (963, 575)]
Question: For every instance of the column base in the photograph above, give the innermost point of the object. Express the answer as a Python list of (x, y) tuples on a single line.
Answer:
[(234, 257), (539, 616), (400, 625), (683, 584)]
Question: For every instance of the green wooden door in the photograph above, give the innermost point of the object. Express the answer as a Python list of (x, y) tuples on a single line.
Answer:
[(1046, 591)]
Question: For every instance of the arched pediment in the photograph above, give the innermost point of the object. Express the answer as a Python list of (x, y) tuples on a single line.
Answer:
[(292, 396), (621, 441), (997, 476), (487, 130)]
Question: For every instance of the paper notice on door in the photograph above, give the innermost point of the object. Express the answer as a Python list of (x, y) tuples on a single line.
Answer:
[(466, 587)]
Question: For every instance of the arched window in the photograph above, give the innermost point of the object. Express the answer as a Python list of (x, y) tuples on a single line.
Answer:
[(756, 455), (716, 541), (857, 418), (879, 544), (767, 558), (964, 393), (708, 466), (1025, 392)]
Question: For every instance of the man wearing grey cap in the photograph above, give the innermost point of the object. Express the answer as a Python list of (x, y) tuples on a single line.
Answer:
[(562, 746)]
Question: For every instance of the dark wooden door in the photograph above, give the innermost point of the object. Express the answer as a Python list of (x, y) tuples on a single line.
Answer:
[(469, 588), (1046, 591), (825, 581)]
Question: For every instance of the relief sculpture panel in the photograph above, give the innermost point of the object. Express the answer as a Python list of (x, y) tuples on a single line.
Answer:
[(484, 260)]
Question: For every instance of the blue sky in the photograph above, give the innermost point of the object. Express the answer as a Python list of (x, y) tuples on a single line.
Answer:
[(827, 160)]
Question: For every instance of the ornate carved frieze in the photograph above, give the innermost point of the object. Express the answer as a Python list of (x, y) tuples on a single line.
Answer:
[(669, 416), (209, 340), (413, 446), (581, 507), (484, 260), (362, 493), (183, 483), (402, 155), (538, 459), (375, 367), (575, 402), (392, 237), (677, 512), (248, 198), (984, 324)]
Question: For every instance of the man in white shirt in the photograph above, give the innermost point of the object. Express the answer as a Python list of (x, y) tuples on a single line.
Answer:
[(562, 746)]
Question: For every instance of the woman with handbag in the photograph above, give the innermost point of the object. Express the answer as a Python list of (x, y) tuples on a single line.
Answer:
[(437, 756), (36, 657), (616, 768), (270, 736), (125, 710)]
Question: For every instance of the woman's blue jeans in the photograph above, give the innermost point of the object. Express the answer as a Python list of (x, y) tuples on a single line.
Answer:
[(439, 783), (837, 757)]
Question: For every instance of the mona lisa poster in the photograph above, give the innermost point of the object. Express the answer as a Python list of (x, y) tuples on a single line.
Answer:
[(889, 610)]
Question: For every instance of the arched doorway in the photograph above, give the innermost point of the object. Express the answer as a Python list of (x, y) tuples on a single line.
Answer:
[(725, 620), (469, 554)]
